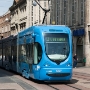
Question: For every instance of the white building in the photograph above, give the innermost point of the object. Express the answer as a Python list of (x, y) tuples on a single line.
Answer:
[(5, 25), (24, 14)]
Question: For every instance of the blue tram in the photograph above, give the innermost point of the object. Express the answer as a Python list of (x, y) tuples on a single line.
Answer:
[(41, 52)]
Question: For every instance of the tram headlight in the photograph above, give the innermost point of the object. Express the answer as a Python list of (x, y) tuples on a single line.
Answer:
[(38, 67), (68, 64), (46, 65)]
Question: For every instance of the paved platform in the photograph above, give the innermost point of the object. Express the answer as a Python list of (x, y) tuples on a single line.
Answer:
[(82, 69), (82, 82), (10, 86), (9, 82)]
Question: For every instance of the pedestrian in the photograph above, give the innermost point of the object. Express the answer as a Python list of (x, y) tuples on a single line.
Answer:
[(75, 61)]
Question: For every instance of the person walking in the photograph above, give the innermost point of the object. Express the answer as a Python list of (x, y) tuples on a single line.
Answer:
[(75, 61)]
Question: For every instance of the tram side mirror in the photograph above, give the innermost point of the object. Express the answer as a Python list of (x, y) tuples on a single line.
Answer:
[(33, 35)]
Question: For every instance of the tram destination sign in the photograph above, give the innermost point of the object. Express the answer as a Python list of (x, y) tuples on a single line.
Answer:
[(56, 39)]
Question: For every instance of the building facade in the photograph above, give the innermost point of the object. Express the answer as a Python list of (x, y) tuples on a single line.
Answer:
[(5, 25), (24, 15), (71, 13), (68, 12), (87, 32)]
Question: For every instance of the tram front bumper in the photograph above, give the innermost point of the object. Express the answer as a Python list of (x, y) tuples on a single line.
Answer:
[(55, 73)]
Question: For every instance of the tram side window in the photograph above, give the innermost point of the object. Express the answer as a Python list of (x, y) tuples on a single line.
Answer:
[(14, 53), (0, 52), (8, 53), (14, 50), (3, 54), (31, 54), (28, 52), (22, 53), (37, 53)]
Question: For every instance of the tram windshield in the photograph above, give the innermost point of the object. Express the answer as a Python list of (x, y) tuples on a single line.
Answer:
[(57, 46)]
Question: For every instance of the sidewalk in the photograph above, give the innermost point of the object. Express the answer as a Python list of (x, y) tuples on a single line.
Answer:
[(10, 86), (82, 69), (11, 81), (82, 82)]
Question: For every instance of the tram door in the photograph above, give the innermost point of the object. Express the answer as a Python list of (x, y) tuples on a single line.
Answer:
[(37, 58), (31, 57), (0, 54), (14, 54)]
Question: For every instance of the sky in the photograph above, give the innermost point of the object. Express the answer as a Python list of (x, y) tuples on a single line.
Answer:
[(5, 5)]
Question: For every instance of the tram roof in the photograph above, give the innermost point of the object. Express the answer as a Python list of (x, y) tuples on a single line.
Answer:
[(41, 27)]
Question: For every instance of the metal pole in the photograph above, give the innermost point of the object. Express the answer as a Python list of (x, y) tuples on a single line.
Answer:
[(45, 10)]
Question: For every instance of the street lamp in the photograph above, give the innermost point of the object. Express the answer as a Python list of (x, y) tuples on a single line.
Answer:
[(35, 2)]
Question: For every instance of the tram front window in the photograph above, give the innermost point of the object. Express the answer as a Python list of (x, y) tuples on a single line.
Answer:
[(57, 46)]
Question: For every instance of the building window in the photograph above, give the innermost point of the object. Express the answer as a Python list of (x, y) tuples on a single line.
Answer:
[(13, 28), (65, 12), (22, 25), (73, 12), (44, 4), (82, 12)]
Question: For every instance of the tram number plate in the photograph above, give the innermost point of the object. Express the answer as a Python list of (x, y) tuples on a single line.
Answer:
[(58, 70)]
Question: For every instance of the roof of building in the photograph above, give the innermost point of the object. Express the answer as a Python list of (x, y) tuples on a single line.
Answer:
[(5, 14)]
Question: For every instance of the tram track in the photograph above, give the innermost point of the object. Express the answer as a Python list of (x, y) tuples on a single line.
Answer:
[(72, 85), (64, 87), (82, 75), (67, 86), (54, 85), (60, 85), (51, 85)]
